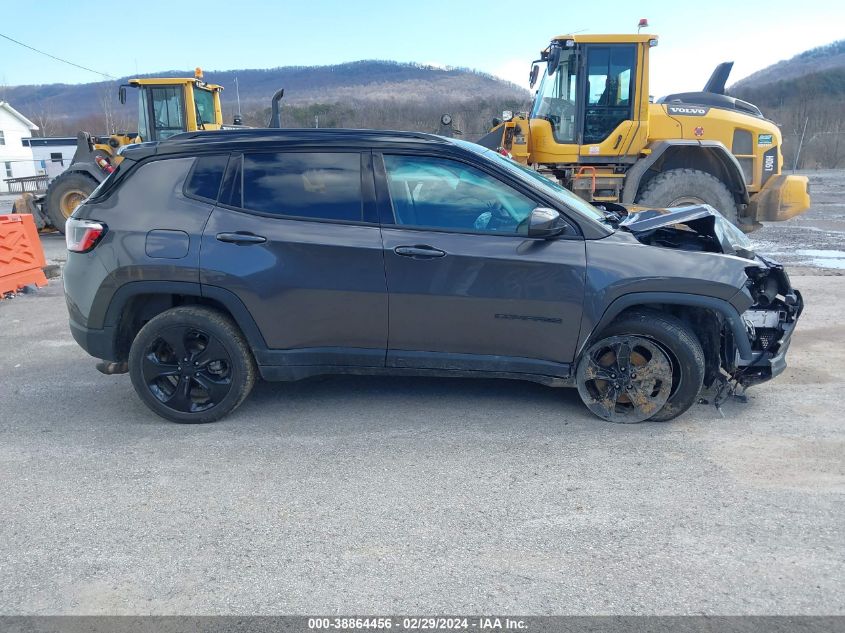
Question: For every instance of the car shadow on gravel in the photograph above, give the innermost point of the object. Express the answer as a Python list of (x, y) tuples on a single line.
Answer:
[(381, 401)]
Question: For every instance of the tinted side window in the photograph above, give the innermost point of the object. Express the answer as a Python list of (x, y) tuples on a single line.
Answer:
[(445, 194), (204, 181), (315, 185)]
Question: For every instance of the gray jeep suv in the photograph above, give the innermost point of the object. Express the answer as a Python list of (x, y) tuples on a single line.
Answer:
[(209, 259)]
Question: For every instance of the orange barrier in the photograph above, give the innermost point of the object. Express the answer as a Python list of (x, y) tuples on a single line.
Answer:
[(21, 255)]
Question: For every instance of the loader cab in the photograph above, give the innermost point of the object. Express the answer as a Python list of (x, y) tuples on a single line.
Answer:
[(167, 107), (593, 96)]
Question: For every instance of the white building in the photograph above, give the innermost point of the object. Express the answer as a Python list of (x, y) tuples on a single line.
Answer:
[(16, 160), (52, 155)]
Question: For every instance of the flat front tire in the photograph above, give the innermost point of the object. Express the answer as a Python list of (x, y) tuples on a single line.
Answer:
[(191, 364), (645, 366)]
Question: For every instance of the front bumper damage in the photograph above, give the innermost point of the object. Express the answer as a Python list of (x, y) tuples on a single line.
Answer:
[(772, 306), (770, 323)]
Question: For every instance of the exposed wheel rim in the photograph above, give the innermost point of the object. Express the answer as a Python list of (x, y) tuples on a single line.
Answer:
[(187, 369), (624, 379), (70, 200)]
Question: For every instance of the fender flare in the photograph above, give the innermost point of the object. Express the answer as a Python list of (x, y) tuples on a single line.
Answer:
[(728, 161), (228, 299), (723, 307)]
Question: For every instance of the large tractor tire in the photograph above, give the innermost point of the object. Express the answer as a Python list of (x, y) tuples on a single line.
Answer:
[(65, 193), (680, 187)]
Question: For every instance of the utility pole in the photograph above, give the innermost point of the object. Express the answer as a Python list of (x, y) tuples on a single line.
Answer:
[(238, 96), (800, 143)]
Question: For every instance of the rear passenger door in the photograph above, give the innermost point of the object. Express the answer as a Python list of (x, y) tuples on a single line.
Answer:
[(290, 238)]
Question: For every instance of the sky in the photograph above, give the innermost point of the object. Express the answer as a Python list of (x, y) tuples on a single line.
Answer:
[(498, 37)]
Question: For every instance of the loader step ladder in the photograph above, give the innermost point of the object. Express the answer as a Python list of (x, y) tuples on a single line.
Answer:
[(593, 186)]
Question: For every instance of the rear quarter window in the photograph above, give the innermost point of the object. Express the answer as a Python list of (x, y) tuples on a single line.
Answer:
[(206, 176)]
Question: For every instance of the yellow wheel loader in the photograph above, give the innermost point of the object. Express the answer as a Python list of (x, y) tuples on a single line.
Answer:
[(594, 128), (166, 107)]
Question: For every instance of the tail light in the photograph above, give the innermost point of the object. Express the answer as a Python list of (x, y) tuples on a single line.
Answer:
[(83, 235)]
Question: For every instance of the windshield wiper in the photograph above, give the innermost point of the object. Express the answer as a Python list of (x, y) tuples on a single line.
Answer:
[(610, 217)]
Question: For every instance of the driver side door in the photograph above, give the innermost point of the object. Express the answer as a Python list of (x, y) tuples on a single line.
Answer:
[(467, 288), (161, 112)]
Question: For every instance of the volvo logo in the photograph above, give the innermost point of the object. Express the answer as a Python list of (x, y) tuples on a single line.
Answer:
[(688, 110)]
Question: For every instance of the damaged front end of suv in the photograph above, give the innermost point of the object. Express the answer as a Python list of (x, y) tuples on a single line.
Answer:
[(768, 305)]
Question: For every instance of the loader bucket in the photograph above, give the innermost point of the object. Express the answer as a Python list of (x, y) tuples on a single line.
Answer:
[(27, 204)]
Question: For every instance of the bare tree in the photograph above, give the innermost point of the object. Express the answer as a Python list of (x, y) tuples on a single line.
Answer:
[(828, 143), (106, 97), (45, 119)]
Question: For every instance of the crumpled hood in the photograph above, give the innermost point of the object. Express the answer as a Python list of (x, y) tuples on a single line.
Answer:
[(699, 220)]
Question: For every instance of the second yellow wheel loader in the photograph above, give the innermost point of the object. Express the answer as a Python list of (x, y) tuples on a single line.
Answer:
[(166, 107)]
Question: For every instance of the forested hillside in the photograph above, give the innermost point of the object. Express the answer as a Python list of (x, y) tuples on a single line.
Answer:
[(805, 95), (380, 94)]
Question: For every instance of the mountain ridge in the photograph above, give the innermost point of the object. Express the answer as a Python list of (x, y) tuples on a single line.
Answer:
[(813, 61), (362, 80)]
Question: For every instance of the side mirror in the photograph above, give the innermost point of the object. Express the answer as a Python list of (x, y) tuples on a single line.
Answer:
[(545, 223), (532, 77), (553, 60), (121, 94)]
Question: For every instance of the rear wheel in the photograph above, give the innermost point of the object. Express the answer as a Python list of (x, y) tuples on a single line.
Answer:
[(681, 187), (65, 193), (645, 366), (191, 364)]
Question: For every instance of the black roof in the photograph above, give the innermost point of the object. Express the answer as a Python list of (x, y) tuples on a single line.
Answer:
[(226, 140)]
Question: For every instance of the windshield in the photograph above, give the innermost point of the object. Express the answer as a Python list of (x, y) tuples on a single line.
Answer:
[(556, 98), (143, 123), (537, 181)]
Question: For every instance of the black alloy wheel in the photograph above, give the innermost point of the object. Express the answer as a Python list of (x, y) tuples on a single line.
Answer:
[(187, 369), (191, 364)]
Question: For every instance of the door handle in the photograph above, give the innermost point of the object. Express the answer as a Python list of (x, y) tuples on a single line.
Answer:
[(420, 251), (241, 238)]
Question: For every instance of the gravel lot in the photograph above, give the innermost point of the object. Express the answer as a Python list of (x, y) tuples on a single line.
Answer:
[(366, 495), (816, 239)]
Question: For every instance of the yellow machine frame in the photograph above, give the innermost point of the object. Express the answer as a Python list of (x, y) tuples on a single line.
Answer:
[(728, 139)]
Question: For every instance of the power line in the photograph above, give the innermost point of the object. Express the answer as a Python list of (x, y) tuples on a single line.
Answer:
[(64, 61)]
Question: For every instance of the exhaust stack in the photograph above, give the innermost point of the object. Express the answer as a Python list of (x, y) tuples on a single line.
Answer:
[(717, 81), (275, 115)]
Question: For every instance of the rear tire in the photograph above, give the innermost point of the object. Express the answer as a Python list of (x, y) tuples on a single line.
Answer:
[(679, 187), (191, 364), (675, 339), (63, 195)]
